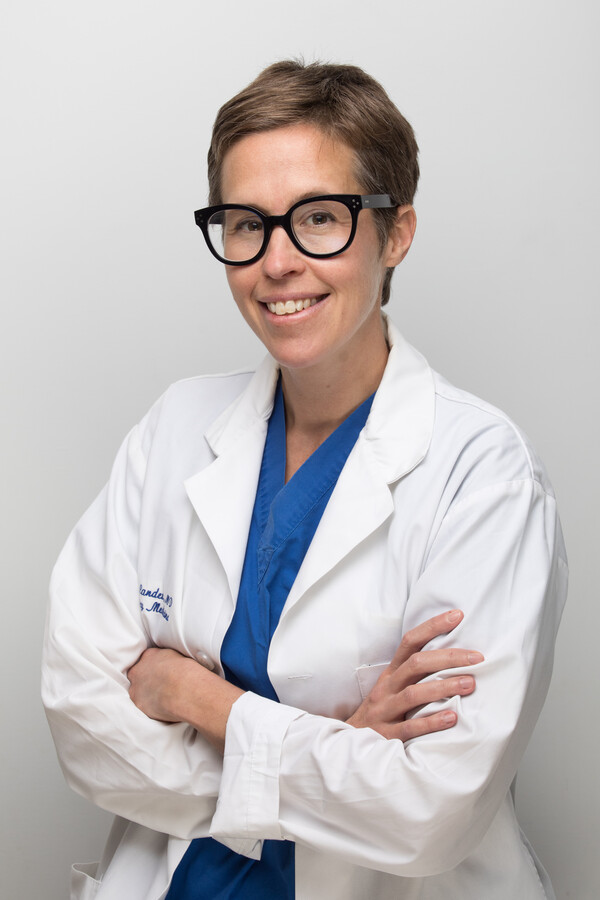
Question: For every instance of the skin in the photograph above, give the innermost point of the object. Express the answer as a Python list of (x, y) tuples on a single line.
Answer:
[(317, 350)]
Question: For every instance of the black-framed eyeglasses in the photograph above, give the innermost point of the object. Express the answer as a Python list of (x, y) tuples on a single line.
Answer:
[(319, 227)]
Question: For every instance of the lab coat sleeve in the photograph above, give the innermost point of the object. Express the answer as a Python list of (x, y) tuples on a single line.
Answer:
[(162, 776), (419, 808)]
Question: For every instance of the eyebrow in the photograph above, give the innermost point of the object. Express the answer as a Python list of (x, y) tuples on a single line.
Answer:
[(306, 195)]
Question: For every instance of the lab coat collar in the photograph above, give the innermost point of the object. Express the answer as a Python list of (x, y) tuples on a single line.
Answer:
[(400, 426), (249, 412), (395, 440)]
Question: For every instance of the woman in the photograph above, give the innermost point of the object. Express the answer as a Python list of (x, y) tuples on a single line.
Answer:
[(285, 529)]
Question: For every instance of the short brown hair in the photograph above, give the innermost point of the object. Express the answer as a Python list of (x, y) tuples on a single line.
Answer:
[(346, 105)]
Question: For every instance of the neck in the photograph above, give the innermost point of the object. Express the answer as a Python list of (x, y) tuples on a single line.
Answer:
[(319, 398)]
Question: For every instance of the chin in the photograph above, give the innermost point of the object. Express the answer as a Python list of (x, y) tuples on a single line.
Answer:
[(297, 355)]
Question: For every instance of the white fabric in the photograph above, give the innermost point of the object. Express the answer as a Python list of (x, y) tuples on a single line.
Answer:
[(441, 504)]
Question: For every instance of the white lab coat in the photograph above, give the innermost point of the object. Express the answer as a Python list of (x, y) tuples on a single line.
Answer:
[(441, 504)]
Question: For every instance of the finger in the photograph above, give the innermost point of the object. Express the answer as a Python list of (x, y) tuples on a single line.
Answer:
[(415, 639), (413, 728), (428, 662), (417, 695)]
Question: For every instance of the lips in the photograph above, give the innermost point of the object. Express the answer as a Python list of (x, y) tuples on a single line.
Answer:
[(289, 307)]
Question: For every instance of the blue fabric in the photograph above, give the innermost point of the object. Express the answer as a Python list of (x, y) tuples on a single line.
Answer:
[(284, 520)]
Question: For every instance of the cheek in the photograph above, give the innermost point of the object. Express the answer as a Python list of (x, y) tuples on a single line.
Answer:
[(369, 264), (369, 279), (238, 283)]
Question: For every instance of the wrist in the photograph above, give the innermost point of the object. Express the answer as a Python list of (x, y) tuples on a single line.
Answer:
[(205, 703)]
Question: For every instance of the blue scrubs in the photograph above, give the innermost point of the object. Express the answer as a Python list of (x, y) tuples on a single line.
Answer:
[(284, 520)]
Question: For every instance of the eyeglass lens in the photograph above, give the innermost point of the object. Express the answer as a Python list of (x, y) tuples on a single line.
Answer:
[(319, 226)]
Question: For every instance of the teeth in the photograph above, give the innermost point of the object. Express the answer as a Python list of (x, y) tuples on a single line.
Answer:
[(291, 306)]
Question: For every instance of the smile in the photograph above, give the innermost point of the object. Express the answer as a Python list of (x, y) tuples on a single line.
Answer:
[(289, 307)]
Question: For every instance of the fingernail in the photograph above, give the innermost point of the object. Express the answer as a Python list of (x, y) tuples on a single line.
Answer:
[(454, 616), (449, 718), (466, 684), (475, 657)]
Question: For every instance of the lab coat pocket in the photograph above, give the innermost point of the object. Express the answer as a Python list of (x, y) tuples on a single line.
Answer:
[(83, 882), (367, 677)]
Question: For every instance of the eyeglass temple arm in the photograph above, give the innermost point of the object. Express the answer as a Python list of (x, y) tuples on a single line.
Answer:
[(377, 201)]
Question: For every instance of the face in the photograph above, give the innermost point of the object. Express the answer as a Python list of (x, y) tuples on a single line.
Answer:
[(271, 171)]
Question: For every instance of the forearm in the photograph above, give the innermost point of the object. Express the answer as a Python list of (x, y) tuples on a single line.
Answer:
[(207, 707), (164, 776), (419, 808), (173, 688), (409, 810)]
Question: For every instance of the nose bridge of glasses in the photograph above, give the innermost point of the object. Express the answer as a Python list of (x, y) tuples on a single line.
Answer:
[(284, 222)]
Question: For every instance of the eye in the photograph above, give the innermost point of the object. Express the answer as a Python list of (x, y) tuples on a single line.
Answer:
[(319, 218), (316, 218), (245, 225)]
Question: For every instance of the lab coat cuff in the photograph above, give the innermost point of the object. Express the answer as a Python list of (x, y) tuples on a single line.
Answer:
[(248, 806)]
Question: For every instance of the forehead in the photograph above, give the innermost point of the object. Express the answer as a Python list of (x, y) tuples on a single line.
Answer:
[(275, 168)]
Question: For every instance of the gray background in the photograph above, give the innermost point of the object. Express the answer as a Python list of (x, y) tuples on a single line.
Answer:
[(108, 295)]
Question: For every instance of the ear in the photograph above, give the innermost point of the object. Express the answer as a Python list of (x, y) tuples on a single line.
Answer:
[(401, 236)]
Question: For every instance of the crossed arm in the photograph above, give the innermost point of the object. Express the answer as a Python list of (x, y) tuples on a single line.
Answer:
[(170, 687)]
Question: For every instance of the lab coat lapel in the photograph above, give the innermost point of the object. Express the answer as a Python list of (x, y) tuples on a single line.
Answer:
[(223, 493), (360, 503)]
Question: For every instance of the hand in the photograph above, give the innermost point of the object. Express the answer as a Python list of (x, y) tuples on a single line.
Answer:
[(398, 690), (157, 681), (173, 688)]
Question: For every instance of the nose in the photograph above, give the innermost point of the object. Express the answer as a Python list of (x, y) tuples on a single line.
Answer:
[(281, 258)]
